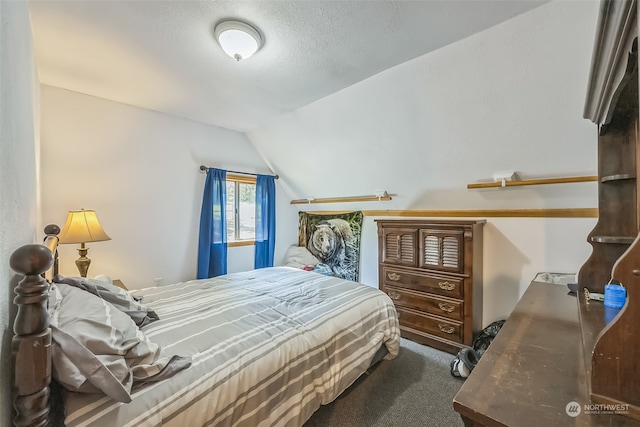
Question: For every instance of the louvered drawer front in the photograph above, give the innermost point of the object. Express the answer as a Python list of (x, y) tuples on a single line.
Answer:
[(441, 250), (441, 285), (433, 325), (440, 306), (400, 247)]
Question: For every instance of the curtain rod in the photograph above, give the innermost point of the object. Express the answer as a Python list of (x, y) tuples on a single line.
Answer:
[(205, 168)]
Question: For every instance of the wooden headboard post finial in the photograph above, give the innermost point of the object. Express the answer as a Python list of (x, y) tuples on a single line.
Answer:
[(31, 344), (51, 241)]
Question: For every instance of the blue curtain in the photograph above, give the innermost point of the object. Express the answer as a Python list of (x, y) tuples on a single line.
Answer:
[(212, 243), (265, 221)]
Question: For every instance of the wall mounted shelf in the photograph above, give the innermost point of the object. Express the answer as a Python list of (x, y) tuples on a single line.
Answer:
[(342, 200), (617, 177), (622, 240), (565, 180)]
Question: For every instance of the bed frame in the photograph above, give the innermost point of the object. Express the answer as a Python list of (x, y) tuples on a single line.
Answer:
[(37, 399), (31, 344)]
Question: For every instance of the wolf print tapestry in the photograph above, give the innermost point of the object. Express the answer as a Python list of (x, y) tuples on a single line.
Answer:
[(334, 239)]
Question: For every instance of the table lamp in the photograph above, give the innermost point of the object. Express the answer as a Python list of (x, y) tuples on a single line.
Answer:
[(82, 227)]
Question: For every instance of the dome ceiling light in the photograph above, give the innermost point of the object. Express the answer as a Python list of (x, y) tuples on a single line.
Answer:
[(238, 39)]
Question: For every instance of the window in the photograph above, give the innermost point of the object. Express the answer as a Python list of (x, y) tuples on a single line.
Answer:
[(241, 209)]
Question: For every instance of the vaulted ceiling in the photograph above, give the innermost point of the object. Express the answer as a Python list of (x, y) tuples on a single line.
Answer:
[(162, 56)]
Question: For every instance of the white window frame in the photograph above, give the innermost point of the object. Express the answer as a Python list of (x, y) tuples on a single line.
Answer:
[(237, 180)]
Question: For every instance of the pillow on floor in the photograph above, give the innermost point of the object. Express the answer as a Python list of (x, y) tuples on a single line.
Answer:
[(117, 296), (98, 349)]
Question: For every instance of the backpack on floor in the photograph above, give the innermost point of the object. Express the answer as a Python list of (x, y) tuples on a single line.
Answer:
[(468, 357), (487, 335)]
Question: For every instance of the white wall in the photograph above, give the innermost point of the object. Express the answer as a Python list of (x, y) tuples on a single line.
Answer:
[(509, 98), (19, 98), (138, 169)]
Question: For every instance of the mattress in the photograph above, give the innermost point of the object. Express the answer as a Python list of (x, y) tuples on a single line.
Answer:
[(268, 347)]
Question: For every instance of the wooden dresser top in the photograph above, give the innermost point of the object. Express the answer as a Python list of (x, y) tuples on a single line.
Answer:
[(533, 368)]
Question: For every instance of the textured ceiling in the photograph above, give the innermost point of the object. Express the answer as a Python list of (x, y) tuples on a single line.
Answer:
[(161, 55)]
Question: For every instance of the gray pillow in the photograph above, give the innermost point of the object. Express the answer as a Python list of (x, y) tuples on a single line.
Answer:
[(117, 296), (99, 349)]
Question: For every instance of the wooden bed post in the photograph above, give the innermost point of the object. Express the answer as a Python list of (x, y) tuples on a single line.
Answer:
[(31, 344)]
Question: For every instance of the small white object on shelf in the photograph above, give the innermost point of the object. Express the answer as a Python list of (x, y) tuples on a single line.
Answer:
[(504, 177)]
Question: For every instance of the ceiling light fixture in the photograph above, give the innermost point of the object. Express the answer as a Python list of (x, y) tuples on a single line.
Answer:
[(238, 39)]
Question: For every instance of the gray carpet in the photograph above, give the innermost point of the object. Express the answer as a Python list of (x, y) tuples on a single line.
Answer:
[(414, 389)]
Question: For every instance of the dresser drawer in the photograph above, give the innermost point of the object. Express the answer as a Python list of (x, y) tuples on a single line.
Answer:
[(444, 328), (441, 285), (446, 307)]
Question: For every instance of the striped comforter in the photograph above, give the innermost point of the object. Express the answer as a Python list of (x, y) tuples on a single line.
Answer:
[(269, 346)]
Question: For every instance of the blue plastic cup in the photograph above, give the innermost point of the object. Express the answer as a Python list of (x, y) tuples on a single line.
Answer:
[(614, 295)]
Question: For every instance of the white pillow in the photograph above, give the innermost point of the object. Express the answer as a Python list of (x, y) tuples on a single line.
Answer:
[(104, 278), (299, 257)]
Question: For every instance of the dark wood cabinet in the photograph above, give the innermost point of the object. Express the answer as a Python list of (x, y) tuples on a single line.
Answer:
[(432, 270), (611, 341), (618, 186)]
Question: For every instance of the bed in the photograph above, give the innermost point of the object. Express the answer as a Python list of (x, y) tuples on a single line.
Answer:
[(257, 348)]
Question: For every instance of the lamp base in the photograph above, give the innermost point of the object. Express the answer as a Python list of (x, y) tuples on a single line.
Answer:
[(83, 262)]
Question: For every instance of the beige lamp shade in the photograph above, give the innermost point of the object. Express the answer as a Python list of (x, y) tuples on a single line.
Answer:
[(82, 226)]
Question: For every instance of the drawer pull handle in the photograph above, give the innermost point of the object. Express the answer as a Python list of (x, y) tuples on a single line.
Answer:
[(446, 307), (393, 276), (447, 329), (446, 286), (394, 295)]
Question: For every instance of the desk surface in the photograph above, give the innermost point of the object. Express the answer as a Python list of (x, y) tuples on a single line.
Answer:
[(533, 368)]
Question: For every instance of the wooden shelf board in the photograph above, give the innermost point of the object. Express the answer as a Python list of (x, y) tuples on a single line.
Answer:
[(623, 240), (493, 213), (477, 213), (618, 177), (341, 200), (565, 180)]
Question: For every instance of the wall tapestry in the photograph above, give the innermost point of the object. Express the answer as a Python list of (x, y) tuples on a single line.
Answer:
[(334, 239)]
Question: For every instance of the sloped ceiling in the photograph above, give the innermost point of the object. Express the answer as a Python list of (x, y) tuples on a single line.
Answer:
[(161, 55)]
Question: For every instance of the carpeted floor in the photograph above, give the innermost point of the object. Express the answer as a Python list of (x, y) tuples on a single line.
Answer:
[(414, 389)]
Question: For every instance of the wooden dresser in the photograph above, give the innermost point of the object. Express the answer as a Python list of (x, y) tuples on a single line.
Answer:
[(432, 270)]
